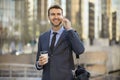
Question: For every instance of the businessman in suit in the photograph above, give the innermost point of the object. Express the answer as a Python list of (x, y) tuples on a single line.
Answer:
[(60, 62)]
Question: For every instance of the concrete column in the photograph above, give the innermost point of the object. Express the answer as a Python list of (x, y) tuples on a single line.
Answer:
[(68, 9)]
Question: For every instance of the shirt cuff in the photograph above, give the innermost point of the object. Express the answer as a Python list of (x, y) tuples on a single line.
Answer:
[(69, 29), (38, 66)]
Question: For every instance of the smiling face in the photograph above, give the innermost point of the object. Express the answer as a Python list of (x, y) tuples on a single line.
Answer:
[(55, 16)]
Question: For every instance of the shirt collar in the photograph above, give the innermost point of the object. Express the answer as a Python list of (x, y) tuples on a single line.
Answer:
[(59, 31)]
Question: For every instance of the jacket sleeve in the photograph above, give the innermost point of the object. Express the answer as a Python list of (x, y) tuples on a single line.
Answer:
[(38, 67), (75, 42)]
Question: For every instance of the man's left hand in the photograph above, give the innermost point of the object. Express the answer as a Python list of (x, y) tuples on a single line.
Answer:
[(67, 24)]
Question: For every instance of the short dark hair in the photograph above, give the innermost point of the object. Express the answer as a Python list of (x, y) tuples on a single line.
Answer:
[(56, 7)]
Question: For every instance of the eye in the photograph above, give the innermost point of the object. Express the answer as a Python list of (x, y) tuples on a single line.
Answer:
[(59, 14)]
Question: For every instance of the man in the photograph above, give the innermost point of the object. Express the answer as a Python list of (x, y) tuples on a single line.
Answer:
[(60, 62)]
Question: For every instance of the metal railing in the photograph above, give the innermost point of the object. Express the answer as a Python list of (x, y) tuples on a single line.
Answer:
[(18, 70)]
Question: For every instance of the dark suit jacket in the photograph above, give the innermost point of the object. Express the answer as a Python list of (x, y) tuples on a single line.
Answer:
[(60, 64)]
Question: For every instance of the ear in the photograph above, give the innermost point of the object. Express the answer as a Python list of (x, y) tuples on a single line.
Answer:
[(48, 17)]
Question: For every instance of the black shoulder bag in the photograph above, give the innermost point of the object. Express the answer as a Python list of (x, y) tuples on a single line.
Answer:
[(81, 73)]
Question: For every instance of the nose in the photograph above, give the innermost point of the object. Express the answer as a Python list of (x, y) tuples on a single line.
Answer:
[(56, 16)]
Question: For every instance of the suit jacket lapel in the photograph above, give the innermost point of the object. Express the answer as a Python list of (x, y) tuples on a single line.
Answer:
[(61, 38)]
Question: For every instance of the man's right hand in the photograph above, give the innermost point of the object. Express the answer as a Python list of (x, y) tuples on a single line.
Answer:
[(42, 60)]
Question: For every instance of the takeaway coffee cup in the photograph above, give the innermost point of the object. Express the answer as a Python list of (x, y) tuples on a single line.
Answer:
[(44, 54)]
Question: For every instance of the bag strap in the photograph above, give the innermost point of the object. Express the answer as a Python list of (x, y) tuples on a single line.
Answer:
[(77, 59), (78, 62), (77, 56)]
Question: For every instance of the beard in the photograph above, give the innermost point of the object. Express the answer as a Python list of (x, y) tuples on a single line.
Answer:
[(56, 25)]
